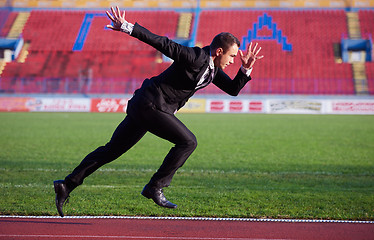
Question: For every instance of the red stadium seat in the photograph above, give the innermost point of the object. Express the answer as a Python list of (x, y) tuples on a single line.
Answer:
[(118, 63)]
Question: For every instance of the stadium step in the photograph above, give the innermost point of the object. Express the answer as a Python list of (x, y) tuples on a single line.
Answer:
[(18, 25), (360, 79), (353, 25), (24, 52), (184, 25), (2, 66)]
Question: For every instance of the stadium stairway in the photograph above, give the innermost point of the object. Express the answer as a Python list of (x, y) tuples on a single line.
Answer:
[(2, 66), (358, 68), (360, 79), (24, 53), (184, 25), (353, 22), (18, 25)]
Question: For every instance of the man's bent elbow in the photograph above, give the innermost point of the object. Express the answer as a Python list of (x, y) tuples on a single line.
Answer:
[(234, 93)]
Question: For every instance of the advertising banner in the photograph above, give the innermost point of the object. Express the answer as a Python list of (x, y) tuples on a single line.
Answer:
[(235, 106), (12, 104), (302, 106), (59, 104), (109, 104), (194, 105), (216, 106), (352, 107)]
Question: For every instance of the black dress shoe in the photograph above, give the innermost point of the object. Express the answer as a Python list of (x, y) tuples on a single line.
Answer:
[(62, 195), (157, 195)]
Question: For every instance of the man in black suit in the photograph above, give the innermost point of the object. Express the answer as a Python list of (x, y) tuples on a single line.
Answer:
[(153, 105)]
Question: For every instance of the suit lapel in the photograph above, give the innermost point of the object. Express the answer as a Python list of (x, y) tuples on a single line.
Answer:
[(206, 63), (202, 71)]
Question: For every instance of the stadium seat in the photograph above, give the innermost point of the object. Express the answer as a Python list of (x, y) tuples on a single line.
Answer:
[(311, 33), (114, 59)]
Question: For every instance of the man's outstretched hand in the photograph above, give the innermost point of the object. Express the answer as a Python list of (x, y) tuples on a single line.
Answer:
[(117, 19), (250, 57)]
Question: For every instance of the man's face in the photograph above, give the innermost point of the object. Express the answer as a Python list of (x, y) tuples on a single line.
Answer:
[(225, 59)]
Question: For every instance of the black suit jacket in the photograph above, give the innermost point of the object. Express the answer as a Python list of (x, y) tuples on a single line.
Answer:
[(170, 90)]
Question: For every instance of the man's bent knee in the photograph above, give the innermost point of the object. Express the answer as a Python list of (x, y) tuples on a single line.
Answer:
[(191, 143)]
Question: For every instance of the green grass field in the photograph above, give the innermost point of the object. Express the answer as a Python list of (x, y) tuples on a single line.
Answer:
[(245, 165)]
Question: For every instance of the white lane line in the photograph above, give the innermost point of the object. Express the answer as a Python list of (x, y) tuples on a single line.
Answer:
[(198, 219)]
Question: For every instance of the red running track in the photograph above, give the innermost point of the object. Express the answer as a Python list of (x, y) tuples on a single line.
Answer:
[(31, 228)]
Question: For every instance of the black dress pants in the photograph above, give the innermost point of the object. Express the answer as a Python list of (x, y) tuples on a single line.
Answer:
[(141, 117)]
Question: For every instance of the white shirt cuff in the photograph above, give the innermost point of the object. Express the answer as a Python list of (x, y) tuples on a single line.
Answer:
[(246, 71), (127, 27)]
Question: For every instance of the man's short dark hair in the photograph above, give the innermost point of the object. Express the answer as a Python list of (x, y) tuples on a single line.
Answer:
[(224, 40)]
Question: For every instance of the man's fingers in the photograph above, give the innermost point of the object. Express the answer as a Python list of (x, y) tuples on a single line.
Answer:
[(254, 49), (240, 53), (114, 13), (257, 51), (110, 16), (118, 12), (249, 48), (259, 57)]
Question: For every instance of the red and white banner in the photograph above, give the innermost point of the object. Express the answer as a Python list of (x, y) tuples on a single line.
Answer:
[(234, 106), (109, 104), (352, 107)]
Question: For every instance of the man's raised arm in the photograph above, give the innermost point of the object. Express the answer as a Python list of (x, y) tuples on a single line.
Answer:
[(168, 47)]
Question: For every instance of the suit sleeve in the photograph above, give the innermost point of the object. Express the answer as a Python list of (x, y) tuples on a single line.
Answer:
[(171, 49), (228, 85)]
